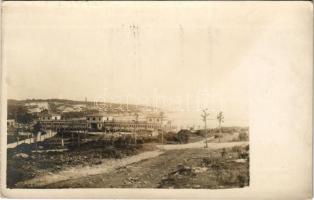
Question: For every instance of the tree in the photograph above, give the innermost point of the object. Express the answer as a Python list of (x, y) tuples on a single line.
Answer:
[(20, 114), (220, 118), (136, 115), (162, 132), (16, 135), (204, 117), (183, 136), (36, 129)]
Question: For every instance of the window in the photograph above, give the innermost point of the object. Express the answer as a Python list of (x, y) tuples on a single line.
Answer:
[(56, 118), (94, 118), (87, 118), (99, 118)]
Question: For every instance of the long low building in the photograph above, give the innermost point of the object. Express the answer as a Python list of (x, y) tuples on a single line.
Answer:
[(105, 122), (123, 122), (130, 126), (79, 124)]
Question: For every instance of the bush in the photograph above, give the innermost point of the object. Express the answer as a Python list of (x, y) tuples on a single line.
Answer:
[(15, 175), (184, 136), (243, 136), (149, 139), (169, 137), (20, 113), (242, 180), (202, 132), (237, 149), (244, 155), (124, 141), (214, 162)]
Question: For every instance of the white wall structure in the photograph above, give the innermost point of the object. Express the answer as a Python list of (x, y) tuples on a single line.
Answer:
[(47, 117)]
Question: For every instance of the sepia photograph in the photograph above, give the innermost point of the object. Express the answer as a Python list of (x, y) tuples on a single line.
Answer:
[(141, 95), (125, 104)]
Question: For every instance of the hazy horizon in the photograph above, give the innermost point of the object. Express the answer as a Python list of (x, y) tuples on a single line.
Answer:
[(185, 63)]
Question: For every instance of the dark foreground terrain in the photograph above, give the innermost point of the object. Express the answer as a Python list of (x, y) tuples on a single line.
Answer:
[(98, 162), (183, 168), (28, 161)]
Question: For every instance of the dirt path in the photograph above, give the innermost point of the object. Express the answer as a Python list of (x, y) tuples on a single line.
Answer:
[(143, 174), (201, 144), (111, 165), (108, 165), (162, 172)]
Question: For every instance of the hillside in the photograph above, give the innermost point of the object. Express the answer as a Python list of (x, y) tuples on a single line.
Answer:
[(24, 111)]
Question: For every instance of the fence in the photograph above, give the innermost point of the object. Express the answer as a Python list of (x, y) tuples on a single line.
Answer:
[(31, 140)]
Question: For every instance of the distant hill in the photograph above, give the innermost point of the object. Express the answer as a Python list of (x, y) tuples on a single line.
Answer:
[(27, 110)]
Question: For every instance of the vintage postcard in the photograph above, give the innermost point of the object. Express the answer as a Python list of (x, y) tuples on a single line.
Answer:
[(156, 99)]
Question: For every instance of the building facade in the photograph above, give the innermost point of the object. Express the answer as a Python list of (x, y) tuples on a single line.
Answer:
[(50, 116), (105, 122), (123, 122), (73, 124)]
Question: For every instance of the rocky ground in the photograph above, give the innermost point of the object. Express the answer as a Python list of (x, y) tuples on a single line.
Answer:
[(182, 168), (25, 162), (124, 165)]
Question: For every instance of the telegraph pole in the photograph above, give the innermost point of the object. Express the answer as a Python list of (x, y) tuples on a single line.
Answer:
[(204, 117)]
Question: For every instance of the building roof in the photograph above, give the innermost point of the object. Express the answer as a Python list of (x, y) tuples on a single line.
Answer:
[(50, 114), (125, 116), (154, 115), (98, 115)]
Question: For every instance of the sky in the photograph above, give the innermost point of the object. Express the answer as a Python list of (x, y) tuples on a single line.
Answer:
[(182, 58)]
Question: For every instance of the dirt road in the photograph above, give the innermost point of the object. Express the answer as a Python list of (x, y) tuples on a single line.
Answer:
[(201, 144), (110, 166), (143, 174), (164, 171), (107, 166)]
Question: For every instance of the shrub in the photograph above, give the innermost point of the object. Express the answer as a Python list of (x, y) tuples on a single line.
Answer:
[(223, 152), (242, 180), (124, 141), (237, 149), (243, 155), (243, 136), (169, 137), (184, 136), (202, 132)]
